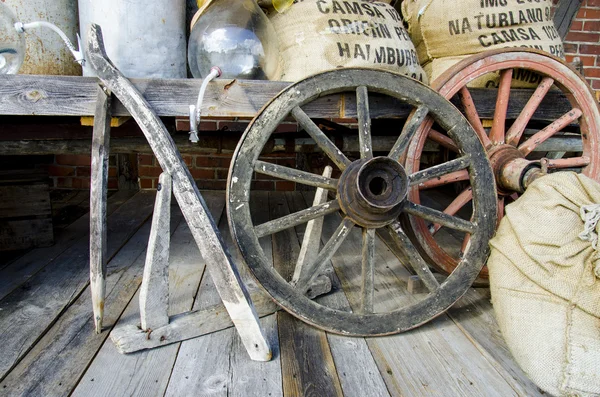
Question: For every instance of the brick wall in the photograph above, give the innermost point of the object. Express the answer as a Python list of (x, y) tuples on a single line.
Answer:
[(583, 41), (72, 171), (210, 171)]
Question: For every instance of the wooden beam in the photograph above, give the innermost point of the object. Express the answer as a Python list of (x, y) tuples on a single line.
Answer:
[(154, 292), (564, 14), (223, 271), (98, 190), (76, 96)]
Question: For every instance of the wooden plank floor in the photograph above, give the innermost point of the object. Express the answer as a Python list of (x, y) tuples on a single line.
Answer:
[(49, 348)]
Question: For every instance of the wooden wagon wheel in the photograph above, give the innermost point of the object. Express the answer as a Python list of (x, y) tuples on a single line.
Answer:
[(516, 145), (370, 194)]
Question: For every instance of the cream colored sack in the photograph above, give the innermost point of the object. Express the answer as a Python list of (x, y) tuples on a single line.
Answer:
[(447, 28), (319, 35), (545, 284)]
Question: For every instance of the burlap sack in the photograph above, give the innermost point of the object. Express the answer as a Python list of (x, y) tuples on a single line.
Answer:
[(443, 28), (319, 35), (545, 285)]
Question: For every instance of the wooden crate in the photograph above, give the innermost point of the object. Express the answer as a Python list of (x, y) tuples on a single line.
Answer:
[(25, 210)]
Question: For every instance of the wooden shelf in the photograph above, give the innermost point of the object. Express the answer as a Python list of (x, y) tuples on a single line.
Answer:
[(27, 95)]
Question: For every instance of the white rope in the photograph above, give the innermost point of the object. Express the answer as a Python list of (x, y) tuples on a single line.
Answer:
[(590, 214)]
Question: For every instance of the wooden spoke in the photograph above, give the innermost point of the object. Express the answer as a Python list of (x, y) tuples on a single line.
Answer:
[(333, 244), (439, 170), (312, 234), (320, 138), (573, 162), (297, 218), (499, 123), (411, 126), (439, 217), (364, 123), (412, 255), (516, 130), (443, 140), (529, 145), (294, 175), (462, 175), (460, 201), (368, 271), (473, 116)]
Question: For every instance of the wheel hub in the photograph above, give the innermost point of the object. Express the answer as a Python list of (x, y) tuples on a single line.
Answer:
[(371, 191), (511, 170)]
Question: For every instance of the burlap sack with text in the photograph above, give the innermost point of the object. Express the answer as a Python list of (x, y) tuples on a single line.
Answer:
[(319, 35), (545, 283)]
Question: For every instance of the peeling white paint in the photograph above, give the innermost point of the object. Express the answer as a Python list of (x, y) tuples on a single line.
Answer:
[(239, 206)]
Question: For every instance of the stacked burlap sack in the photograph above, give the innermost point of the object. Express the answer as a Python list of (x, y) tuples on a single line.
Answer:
[(319, 35), (545, 282), (446, 31)]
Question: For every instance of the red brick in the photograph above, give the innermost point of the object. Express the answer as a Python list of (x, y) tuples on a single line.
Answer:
[(592, 72), (213, 161), (84, 171), (203, 173), (595, 84), (586, 60), (222, 173), (112, 184), (145, 159), (211, 184), (81, 183), (285, 186), (73, 159), (262, 185), (571, 48), (588, 13), (59, 170), (64, 182), (146, 183), (577, 26), (188, 160), (582, 36), (593, 3), (589, 26), (112, 172), (589, 49), (112, 160), (149, 171)]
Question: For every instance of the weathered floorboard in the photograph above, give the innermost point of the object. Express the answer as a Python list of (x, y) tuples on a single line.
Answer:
[(147, 372), (307, 365), (27, 312), (436, 359), (474, 315), (356, 368), (217, 364), (56, 363), (25, 267)]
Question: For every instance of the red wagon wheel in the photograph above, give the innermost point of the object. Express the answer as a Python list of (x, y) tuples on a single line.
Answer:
[(516, 144)]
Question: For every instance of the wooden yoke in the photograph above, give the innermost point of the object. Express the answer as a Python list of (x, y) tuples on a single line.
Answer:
[(224, 273)]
